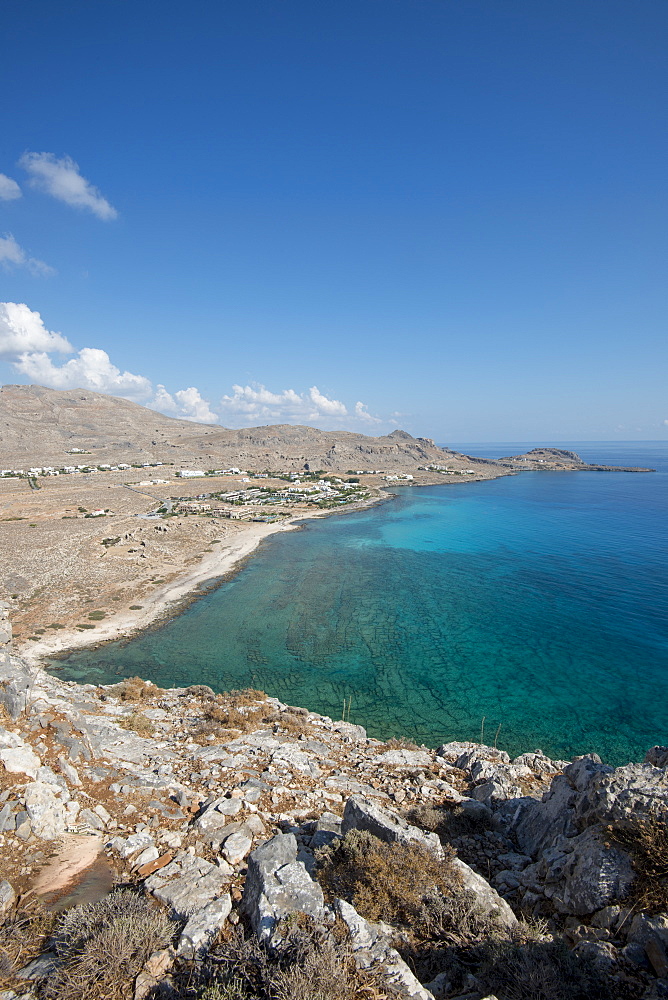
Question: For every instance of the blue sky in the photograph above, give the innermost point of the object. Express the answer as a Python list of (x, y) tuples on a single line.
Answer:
[(444, 215)]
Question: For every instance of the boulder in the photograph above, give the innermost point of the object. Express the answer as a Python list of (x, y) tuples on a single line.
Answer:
[(595, 874), (187, 884), (20, 760), (536, 825), (237, 846), (134, 843), (361, 814), (370, 944), (657, 756), (478, 752), (624, 795), (46, 810), (486, 898), (278, 885), (403, 759), (203, 927)]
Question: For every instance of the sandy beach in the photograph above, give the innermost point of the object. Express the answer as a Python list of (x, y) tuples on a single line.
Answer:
[(169, 599)]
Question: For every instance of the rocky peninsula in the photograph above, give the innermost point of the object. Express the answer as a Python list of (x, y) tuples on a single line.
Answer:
[(235, 847)]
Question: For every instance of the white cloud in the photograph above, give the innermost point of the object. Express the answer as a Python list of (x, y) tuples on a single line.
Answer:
[(61, 179), (256, 403), (332, 407), (22, 331), (363, 414), (27, 345), (9, 189), (90, 369), (186, 403), (163, 401), (193, 407), (13, 255)]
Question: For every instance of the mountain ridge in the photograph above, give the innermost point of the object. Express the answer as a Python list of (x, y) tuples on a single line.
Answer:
[(40, 425)]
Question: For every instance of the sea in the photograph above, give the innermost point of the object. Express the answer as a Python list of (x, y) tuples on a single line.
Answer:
[(529, 612)]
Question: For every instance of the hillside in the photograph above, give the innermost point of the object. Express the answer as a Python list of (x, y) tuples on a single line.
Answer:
[(38, 426), (257, 849)]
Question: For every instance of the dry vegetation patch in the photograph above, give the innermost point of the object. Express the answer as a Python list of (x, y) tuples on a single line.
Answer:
[(311, 964), (234, 711), (647, 843), (23, 935), (405, 885), (134, 689), (137, 723), (103, 946), (449, 823), (526, 969)]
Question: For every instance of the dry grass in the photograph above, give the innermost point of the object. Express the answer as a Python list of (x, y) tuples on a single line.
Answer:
[(23, 935), (234, 711), (545, 970), (647, 843), (137, 723), (243, 697), (103, 946), (310, 965), (405, 885), (449, 823), (134, 689), (399, 743), (290, 721)]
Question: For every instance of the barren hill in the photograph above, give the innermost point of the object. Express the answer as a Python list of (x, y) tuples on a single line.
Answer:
[(38, 426)]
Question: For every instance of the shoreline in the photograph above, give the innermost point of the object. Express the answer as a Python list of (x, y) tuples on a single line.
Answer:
[(174, 597)]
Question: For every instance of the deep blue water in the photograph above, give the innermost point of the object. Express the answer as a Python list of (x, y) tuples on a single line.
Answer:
[(537, 602)]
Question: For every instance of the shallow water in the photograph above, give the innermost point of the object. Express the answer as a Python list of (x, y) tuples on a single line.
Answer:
[(536, 603), (89, 886)]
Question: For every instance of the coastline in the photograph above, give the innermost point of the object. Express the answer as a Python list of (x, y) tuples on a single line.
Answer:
[(169, 600)]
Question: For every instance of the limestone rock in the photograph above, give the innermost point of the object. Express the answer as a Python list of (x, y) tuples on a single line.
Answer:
[(658, 756), (7, 896), (625, 794), (361, 814), (46, 811), (203, 926), (595, 874), (159, 963), (187, 884), (536, 825), (278, 885), (146, 857), (134, 843), (236, 847), (486, 898), (371, 946), (69, 771), (21, 760), (404, 758)]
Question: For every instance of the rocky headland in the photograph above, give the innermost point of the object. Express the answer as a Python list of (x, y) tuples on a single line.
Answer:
[(180, 843)]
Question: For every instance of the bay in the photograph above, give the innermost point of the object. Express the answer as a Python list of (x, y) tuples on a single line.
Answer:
[(531, 609)]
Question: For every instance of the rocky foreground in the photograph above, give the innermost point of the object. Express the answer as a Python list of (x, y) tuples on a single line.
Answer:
[(265, 851)]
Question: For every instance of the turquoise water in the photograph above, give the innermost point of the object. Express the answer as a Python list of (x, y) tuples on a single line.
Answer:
[(537, 602)]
